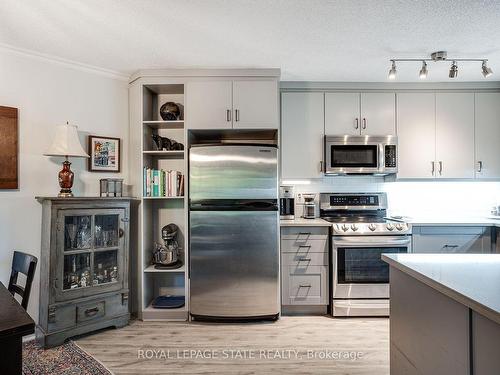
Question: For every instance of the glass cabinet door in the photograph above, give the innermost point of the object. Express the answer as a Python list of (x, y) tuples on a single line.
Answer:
[(90, 254)]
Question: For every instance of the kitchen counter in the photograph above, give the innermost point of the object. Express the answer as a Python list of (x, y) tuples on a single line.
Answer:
[(453, 221), (445, 313), (470, 279), (301, 222)]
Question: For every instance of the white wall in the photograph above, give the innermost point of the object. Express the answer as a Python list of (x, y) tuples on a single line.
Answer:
[(48, 93), (421, 199)]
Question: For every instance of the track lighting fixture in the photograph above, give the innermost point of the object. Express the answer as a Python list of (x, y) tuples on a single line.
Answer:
[(392, 71), (423, 71), (453, 70), (438, 57), (486, 71)]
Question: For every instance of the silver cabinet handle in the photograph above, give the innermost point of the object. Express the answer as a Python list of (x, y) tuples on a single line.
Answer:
[(356, 122), (364, 123), (305, 246), (304, 259), (433, 164), (321, 166), (479, 166), (236, 115), (440, 168), (450, 246), (304, 285), (304, 233), (228, 115)]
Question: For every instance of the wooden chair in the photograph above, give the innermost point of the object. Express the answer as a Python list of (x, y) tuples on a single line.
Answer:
[(26, 264)]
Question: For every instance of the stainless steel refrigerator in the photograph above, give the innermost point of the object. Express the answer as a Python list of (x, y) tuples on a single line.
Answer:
[(233, 223)]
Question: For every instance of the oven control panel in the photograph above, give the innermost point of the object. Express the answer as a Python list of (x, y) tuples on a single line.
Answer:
[(354, 200)]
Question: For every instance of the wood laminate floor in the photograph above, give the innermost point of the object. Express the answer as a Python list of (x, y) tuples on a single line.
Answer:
[(292, 345)]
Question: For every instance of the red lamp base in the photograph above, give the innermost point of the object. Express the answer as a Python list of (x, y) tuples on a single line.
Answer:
[(66, 177)]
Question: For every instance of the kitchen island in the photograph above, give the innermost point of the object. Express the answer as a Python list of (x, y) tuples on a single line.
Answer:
[(445, 313)]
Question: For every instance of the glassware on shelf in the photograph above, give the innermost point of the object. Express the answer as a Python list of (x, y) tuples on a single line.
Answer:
[(105, 267), (76, 271), (106, 231), (77, 234)]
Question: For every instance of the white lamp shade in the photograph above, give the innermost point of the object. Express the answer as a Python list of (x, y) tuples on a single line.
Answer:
[(66, 143)]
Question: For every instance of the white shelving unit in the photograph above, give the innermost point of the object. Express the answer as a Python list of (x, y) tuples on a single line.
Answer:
[(156, 212)]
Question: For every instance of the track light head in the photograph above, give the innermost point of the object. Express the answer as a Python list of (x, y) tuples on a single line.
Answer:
[(392, 71), (486, 71), (453, 70), (423, 71)]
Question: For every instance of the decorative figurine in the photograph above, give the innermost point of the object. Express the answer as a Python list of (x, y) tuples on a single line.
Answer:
[(166, 144), (170, 111)]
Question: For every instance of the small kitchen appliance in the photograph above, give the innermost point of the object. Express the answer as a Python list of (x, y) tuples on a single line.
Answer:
[(309, 210), (354, 154), (361, 234), (167, 255), (287, 203)]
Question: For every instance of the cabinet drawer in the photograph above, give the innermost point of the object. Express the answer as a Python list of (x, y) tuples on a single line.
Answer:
[(304, 259), (451, 243), (305, 247), (90, 311), (61, 317), (305, 287), (302, 234)]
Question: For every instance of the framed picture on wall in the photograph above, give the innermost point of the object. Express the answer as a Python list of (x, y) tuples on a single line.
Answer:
[(104, 154), (9, 174)]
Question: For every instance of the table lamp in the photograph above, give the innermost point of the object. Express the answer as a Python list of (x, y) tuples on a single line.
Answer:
[(67, 144)]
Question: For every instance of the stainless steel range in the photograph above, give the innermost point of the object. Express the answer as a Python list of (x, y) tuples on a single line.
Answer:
[(361, 233)]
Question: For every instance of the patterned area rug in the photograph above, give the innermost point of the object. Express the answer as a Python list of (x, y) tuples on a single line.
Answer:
[(67, 359)]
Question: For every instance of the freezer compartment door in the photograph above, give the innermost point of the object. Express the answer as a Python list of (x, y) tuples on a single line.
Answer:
[(233, 172), (234, 264)]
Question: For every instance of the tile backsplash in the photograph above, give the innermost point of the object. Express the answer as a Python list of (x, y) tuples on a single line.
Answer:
[(413, 198)]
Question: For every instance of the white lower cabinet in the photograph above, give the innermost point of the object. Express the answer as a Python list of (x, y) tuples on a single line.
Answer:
[(449, 240), (304, 266), (302, 130), (487, 135)]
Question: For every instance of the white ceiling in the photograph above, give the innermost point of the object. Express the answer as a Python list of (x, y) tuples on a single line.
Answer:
[(345, 40)]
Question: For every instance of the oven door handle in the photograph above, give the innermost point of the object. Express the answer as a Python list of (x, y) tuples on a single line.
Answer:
[(372, 242)]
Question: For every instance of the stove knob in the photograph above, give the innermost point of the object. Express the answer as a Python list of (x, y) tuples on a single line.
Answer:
[(345, 228), (390, 227), (399, 226), (372, 227), (354, 227)]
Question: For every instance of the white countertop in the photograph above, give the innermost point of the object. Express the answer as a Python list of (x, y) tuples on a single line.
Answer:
[(301, 222), (470, 279), (454, 220), (435, 221)]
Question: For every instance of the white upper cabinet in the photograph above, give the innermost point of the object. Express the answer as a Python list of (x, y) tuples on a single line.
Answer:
[(455, 135), (302, 131), (227, 104), (487, 135), (360, 114), (378, 114), (209, 104), (416, 135), (342, 114), (255, 104)]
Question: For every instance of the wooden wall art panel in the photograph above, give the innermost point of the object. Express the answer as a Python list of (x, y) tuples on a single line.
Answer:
[(9, 173)]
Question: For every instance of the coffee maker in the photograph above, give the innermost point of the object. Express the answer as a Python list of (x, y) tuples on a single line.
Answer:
[(287, 203)]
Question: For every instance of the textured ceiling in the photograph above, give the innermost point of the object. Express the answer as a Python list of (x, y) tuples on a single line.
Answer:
[(346, 40)]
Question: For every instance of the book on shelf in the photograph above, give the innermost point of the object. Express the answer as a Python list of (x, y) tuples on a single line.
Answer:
[(162, 183)]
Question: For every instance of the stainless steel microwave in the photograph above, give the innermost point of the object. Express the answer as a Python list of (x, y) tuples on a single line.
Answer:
[(354, 154)]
